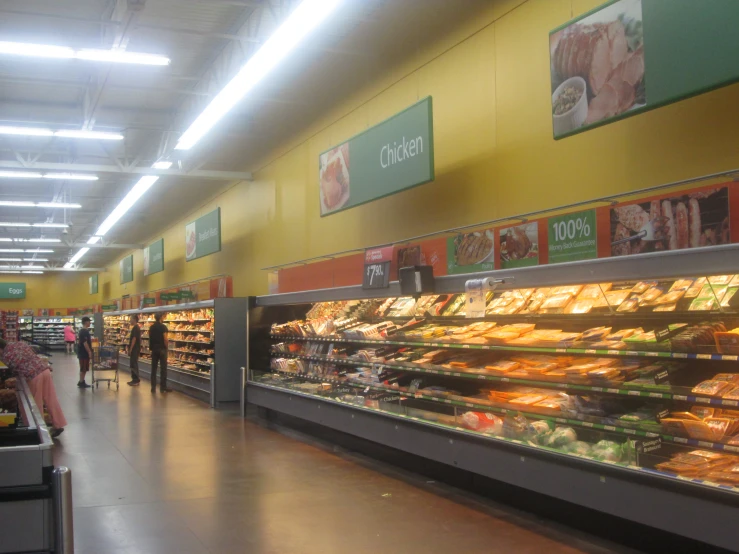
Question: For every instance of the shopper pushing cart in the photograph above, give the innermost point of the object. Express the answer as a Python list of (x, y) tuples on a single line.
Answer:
[(105, 366)]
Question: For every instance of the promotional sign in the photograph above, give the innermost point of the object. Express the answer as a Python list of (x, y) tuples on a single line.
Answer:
[(148, 301), (519, 246), (377, 268), (93, 284), (12, 291), (169, 296), (110, 307), (471, 252), (126, 269), (154, 258), (187, 295), (573, 237), (203, 236), (629, 56), (390, 157)]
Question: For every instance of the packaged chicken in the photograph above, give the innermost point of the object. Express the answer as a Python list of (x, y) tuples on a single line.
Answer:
[(666, 308), (483, 422), (681, 285), (573, 290), (557, 302), (670, 297), (720, 279), (595, 291), (596, 334), (579, 307), (630, 305), (651, 295), (643, 286), (712, 387), (613, 298), (502, 366)]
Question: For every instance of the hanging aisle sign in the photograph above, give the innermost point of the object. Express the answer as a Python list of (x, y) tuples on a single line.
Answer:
[(390, 157), (93, 284), (203, 236), (154, 258), (630, 56), (126, 269), (11, 291)]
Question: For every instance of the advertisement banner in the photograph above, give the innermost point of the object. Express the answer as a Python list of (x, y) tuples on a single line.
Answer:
[(630, 56), (12, 291), (93, 284), (390, 157), (126, 269), (519, 245), (573, 237), (154, 258), (203, 236), (471, 252)]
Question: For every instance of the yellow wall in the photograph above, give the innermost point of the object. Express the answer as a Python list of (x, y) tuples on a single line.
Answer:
[(51, 290), (495, 155)]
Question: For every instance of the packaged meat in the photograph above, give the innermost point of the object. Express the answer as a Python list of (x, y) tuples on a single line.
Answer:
[(613, 298), (681, 285), (720, 279), (502, 366), (557, 301), (650, 295), (711, 387), (573, 290), (666, 308), (607, 451), (579, 307), (596, 333), (562, 436), (630, 305), (670, 297), (643, 286), (594, 291), (483, 422), (696, 287)]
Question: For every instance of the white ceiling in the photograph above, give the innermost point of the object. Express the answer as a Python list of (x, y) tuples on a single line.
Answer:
[(207, 41)]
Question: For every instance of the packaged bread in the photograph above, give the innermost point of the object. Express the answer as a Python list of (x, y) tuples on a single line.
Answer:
[(529, 399)]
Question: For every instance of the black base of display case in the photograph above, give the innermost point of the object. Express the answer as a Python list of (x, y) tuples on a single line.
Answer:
[(186, 382), (674, 507)]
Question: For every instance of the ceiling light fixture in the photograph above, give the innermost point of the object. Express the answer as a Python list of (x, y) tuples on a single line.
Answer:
[(162, 165), (65, 53), (49, 225), (11, 259), (33, 272), (6, 272), (23, 204), (28, 250), (6, 239), (35, 175), (138, 190), (299, 24), (64, 133), (21, 267)]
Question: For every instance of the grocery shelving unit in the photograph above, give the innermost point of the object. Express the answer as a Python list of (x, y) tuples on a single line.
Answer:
[(10, 326), (629, 424), (25, 324), (197, 366), (48, 331)]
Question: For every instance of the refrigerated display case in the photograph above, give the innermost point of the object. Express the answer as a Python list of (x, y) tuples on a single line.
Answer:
[(48, 331), (611, 383), (25, 324), (207, 346)]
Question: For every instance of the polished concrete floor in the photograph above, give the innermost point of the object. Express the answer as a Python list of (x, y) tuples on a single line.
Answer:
[(166, 474)]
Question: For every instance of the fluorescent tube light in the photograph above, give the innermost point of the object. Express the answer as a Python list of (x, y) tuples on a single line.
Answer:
[(64, 133), (6, 272), (138, 190), (35, 259), (97, 135), (34, 272), (162, 165), (23, 204), (20, 175), (5, 239), (26, 131), (38, 251), (11, 259), (299, 24), (71, 176), (32, 267), (49, 225), (81, 252), (62, 52)]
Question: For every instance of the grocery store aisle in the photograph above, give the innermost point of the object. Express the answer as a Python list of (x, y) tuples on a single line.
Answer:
[(166, 474)]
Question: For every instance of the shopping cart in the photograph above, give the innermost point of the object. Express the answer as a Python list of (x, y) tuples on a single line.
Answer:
[(105, 361)]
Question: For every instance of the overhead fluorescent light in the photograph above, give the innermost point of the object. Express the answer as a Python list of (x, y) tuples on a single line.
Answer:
[(5, 239), (34, 272), (20, 175), (71, 176), (298, 25), (49, 225), (162, 165), (97, 135), (64, 133), (24, 204), (74, 259), (38, 251), (11, 259), (6, 272), (24, 259), (32, 267), (26, 131), (62, 52)]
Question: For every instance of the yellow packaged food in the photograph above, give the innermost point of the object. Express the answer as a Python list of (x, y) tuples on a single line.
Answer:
[(528, 399), (666, 308), (594, 291), (612, 298), (681, 284), (573, 290), (630, 305), (696, 287), (557, 301), (579, 307)]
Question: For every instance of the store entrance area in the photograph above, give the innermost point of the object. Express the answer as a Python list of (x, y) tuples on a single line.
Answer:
[(167, 474)]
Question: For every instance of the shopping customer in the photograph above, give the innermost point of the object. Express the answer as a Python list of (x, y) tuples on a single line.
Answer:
[(84, 351), (134, 349), (21, 358), (158, 344), (69, 337)]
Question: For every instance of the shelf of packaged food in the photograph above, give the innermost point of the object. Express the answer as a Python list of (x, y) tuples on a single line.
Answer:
[(172, 365), (179, 320), (190, 331), (192, 341), (192, 352), (644, 391), (532, 349), (531, 415), (203, 364)]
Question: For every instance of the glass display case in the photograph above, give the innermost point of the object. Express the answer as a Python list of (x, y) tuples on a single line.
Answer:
[(619, 367), (48, 331), (193, 328)]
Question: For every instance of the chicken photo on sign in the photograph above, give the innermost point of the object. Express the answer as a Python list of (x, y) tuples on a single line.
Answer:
[(597, 67), (334, 179), (519, 246)]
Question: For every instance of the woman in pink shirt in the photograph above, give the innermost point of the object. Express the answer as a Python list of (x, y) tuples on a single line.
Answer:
[(69, 338)]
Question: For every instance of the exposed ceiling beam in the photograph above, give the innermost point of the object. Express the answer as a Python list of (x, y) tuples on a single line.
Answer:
[(197, 174)]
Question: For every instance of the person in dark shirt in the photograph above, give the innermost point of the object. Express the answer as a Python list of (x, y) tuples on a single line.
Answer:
[(84, 351), (134, 349), (158, 344)]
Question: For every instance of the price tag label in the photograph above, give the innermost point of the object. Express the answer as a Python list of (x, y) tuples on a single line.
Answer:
[(377, 268), (703, 356)]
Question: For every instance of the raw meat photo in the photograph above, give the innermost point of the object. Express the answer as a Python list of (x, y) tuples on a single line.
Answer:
[(334, 179), (699, 218), (597, 67)]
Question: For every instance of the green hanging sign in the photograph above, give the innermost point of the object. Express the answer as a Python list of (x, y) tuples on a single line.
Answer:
[(126, 269), (93, 284), (203, 236), (154, 258), (12, 291)]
